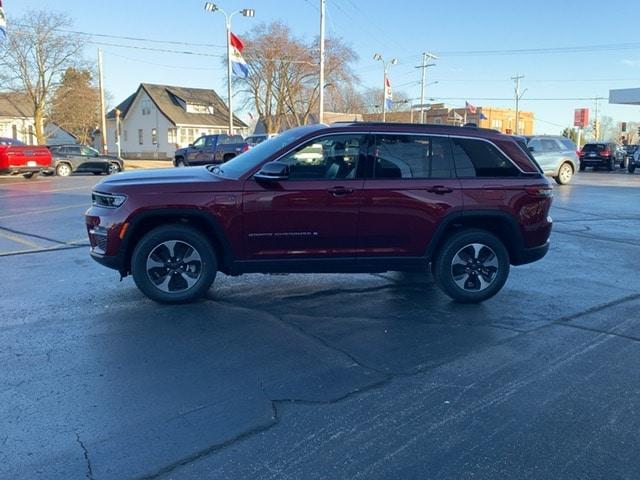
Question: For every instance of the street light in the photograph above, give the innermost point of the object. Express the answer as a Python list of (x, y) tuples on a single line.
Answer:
[(246, 12), (393, 61)]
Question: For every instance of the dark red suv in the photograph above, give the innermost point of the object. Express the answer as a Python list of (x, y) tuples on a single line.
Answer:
[(357, 197)]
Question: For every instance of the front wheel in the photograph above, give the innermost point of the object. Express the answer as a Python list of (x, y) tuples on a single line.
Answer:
[(29, 175), (114, 168), (471, 266), (565, 173), (63, 170), (180, 162), (174, 264), (631, 167)]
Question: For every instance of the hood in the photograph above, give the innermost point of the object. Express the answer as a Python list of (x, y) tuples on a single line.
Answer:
[(164, 178)]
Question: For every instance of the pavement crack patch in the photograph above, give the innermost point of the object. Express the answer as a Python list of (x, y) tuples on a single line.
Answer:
[(597, 330), (598, 308), (89, 474), (602, 238), (43, 250)]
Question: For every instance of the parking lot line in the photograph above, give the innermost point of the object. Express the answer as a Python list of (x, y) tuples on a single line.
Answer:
[(46, 210), (22, 241)]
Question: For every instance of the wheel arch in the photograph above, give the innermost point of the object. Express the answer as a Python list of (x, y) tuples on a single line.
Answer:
[(500, 224), (201, 221)]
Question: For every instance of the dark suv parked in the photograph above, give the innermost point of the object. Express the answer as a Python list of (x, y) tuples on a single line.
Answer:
[(360, 197), (598, 155), (68, 159)]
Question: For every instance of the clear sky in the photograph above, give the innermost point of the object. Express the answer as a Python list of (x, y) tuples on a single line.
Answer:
[(453, 30)]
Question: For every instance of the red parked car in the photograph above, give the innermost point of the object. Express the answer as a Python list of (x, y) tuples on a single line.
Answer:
[(18, 158), (359, 197)]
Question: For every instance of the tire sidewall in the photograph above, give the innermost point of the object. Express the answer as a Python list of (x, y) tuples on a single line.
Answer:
[(62, 166), (442, 265), (173, 232)]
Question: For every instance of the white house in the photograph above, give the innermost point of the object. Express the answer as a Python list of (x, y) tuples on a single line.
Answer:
[(158, 119), (16, 118), (56, 135)]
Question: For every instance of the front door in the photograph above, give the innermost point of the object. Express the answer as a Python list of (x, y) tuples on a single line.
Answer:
[(412, 186), (196, 151), (314, 213)]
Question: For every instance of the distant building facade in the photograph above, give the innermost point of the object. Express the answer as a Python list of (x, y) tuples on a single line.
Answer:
[(501, 119), (156, 120), (16, 118)]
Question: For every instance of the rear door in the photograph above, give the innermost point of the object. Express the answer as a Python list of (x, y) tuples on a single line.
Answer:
[(411, 187)]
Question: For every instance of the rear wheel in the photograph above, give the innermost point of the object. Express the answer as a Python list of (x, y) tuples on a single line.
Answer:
[(29, 175), (174, 264), (565, 173), (631, 167), (471, 266), (582, 167), (180, 162), (228, 157), (610, 165), (63, 169)]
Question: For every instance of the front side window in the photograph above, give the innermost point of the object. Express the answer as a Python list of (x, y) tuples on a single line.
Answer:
[(549, 145), (200, 142), (412, 156), (331, 157), (479, 158)]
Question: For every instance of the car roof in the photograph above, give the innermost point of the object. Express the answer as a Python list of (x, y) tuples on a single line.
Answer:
[(396, 127)]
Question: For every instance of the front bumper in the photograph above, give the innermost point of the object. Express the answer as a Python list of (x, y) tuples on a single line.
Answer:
[(112, 262)]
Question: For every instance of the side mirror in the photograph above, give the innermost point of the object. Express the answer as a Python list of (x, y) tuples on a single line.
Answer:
[(272, 172), (191, 145)]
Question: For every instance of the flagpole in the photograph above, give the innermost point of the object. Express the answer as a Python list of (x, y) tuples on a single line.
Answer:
[(229, 74)]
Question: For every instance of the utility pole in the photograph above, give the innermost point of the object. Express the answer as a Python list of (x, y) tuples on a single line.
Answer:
[(321, 96), (103, 121), (519, 95), (385, 67), (425, 59), (596, 123)]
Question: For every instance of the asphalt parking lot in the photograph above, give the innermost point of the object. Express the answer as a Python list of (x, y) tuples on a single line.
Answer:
[(320, 376)]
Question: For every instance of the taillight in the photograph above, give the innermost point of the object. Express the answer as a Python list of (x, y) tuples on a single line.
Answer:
[(244, 148), (579, 153), (540, 192), (605, 153)]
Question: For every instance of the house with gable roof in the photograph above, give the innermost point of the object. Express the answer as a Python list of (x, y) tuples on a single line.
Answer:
[(158, 119)]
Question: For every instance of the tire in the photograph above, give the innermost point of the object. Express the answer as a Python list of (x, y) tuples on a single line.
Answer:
[(227, 157), (610, 165), (582, 167), (29, 175), (469, 252), (162, 249), (97, 173), (180, 162), (114, 168), (565, 173), (631, 167), (63, 169)]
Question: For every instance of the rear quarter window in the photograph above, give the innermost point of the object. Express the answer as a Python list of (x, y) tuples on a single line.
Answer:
[(479, 158)]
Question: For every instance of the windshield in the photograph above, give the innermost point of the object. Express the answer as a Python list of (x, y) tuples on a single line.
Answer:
[(250, 159)]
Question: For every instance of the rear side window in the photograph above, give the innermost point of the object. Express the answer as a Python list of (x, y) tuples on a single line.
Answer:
[(478, 158), (550, 145), (568, 144), (412, 156)]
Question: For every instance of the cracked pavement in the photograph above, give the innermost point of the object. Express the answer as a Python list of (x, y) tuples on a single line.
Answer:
[(320, 376)]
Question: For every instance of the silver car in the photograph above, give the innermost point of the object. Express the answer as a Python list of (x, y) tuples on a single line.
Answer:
[(556, 155)]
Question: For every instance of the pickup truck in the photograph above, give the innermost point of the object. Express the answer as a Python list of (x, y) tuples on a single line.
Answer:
[(26, 160), (210, 149)]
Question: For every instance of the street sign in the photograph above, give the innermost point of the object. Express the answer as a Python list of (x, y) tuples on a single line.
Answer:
[(581, 117)]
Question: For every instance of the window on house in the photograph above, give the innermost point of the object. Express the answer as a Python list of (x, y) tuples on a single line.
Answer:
[(154, 136), (125, 136), (14, 132), (172, 135), (183, 136), (496, 123), (146, 106), (31, 142), (140, 137)]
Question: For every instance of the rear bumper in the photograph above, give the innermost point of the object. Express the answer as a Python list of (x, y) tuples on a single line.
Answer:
[(530, 255), (20, 170), (589, 162)]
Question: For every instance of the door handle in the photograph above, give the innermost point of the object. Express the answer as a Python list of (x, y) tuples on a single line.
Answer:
[(440, 189), (339, 191)]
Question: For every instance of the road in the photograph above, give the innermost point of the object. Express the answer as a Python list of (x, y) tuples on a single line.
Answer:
[(320, 376)]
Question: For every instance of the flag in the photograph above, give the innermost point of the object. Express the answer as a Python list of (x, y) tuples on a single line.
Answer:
[(482, 116), (3, 24), (238, 65), (388, 96), (470, 108)]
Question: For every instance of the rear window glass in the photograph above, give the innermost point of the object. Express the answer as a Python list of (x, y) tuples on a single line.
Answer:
[(594, 147), (478, 158), (568, 144)]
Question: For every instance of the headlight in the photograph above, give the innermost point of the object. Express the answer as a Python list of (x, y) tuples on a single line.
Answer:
[(107, 200)]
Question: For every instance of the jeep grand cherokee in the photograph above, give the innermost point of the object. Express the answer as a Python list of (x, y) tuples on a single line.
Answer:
[(359, 197)]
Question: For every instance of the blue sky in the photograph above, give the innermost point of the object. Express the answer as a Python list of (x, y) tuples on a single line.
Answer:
[(402, 29)]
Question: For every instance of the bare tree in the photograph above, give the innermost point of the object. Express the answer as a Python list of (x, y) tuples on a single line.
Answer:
[(75, 105), (283, 74), (34, 58)]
